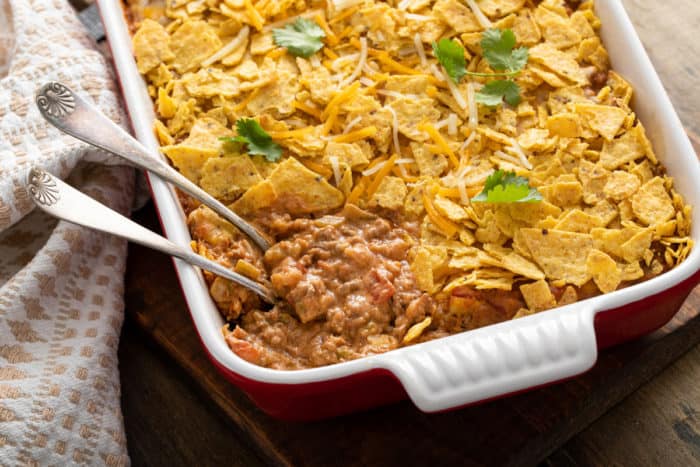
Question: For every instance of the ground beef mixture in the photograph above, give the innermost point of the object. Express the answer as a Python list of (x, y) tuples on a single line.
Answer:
[(346, 286)]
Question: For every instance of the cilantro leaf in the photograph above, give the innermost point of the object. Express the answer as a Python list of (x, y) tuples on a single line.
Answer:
[(498, 50), (302, 38), (506, 187), (256, 139), (494, 92), (451, 56)]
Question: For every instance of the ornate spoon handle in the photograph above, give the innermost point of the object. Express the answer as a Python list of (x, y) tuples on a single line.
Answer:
[(71, 114), (65, 202)]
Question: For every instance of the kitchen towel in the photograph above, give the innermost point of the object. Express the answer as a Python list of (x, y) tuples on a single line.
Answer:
[(61, 286)]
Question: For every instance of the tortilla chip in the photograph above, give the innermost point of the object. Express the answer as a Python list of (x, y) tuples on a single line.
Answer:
[(225, 178), (626, 148), (151, 46), (426, 261), (303, 191), (536, 139), (631, 271), (557, 30), (605, 211), (604, 271), (416, 330), (412, 112), (558, 62), (611, 240), (568, 297), (652, 203), (566, 125), (429, 164), (192, 43), (578, 221), (450, 209), (606, 120), (635, 248), (390, 194), (349, 154), (621, 185), (561, 255), (260, 196), (538, 296), (563, 194), (189, 160), (457, 15)]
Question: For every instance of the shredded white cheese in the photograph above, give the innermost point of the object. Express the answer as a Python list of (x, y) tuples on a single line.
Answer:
[(507, 157), (336, 169), (473, 109), (468, 141), (340, 5), (515, 147), (480, 17), (404, 4), (352, 124), (374, 170), (360, 64), (459, 98), (419, 48), (340, 62), (415, 17), (436, 72), (462, 187), (235, 43), (439, 125), (365, 81), (405, 160), (394, 130), (315, 61), (452, 124)]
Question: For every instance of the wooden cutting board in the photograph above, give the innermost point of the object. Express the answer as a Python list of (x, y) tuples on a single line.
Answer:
[(520, 430)]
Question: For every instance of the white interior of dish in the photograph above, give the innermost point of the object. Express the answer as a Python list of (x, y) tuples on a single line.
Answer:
[(651, 104)]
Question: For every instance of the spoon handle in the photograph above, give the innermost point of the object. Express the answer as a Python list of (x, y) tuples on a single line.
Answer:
[(73, 115), (65, 202)]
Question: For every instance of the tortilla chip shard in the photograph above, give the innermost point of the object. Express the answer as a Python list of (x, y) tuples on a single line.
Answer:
[(561, 255), (606, 275), (151, 46), (390, 194), (604, 119), (192, 43), (652, 204), (538, 296), (303, 191)]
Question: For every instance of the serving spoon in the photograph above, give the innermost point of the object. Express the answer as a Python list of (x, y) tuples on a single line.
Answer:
[(61, 200), (71, 114)]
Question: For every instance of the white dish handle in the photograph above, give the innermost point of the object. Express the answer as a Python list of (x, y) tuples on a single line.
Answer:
[(497, 360)]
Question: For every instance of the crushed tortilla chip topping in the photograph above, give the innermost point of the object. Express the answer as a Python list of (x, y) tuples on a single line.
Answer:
[(370, 120)]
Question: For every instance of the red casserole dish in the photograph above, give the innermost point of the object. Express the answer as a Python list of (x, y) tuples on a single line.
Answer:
[(472, 366)]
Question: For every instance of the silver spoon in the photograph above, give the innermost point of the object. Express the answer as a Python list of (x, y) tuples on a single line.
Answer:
[(65, 202), (72, 115)]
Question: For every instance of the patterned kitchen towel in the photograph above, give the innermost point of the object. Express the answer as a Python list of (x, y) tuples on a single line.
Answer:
[(61, 286)]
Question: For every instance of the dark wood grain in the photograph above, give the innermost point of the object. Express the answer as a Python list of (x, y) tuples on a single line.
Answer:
[(521, 430)]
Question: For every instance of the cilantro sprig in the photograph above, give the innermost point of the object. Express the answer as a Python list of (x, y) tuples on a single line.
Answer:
[(499, 50), (451, 56), (302, 38), (506, 187), (256, 139)]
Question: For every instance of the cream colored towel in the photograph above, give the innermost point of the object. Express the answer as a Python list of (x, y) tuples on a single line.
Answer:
[(61, 286)]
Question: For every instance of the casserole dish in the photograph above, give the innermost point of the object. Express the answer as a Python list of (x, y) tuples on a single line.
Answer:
[(475, 365)]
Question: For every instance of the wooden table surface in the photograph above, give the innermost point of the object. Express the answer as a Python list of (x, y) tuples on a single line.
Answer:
[(169, 421)]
